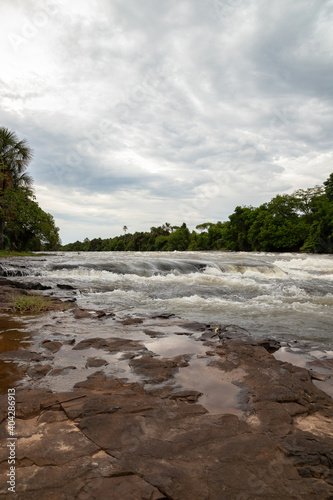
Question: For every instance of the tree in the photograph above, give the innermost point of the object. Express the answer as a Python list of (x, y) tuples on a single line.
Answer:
[(179, 239), (27, 225), (329, 187), (15, 156)]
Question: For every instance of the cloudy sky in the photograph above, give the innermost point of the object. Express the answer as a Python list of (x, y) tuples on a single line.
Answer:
[(142, 112)]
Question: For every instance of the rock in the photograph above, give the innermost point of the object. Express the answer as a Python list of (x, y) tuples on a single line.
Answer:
[(191, 396), (101, 314), (22, 355), (318, 376), (153, 334), (37, 372), (25, 285), (65, 287), (125, 487), (271, 345), (95, 362), (132, 321), (157, 370), (112, 439), (163, 315), (11, 271), (52, 345), (195, 326), (62, 371), (81, 313), (111, 344)]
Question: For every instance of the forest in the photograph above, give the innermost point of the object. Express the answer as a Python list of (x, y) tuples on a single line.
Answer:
[(24, 226), (300, 222)]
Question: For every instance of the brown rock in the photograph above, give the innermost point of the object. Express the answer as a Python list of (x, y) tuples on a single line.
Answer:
[(157, 370), (126, 487), (37, 372), (95, 362), (132, 321), (111, 344), (52, 346), (62, 371), (81, 313)]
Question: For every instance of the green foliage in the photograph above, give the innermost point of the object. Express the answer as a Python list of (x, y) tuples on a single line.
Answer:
[(23, 224), (28, 227), (302, 221), (31, 303)]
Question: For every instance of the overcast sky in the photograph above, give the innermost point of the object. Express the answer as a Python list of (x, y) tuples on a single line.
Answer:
[(142, 112)]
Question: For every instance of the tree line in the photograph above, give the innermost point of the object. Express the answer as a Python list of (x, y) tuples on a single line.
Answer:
[(300, 222), (23, 224)]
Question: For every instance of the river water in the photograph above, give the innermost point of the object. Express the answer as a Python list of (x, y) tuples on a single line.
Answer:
[(288, 296)]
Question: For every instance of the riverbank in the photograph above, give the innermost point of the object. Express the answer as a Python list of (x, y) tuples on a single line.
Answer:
[(115, 405)]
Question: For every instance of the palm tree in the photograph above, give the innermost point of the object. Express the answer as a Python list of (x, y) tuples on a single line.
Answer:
[(15, 156)]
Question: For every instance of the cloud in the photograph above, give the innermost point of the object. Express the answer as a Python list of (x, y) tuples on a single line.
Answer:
[(145, 112)]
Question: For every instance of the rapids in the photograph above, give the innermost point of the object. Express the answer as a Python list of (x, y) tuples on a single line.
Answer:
[(289, 296)]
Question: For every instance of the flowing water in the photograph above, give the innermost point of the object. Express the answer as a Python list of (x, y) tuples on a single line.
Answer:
[(289, 296)]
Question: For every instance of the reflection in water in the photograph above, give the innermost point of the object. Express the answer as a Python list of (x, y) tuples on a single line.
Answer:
[(219, 396), (288, 356), (13, 337)]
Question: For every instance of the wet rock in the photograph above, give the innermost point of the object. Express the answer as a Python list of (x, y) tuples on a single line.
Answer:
[(322, 363), (12, 271), (195, 326), (65, 287), (157, 370), (271, 345), (25, 285), (319, 376), (38, 372), (100, 314), (22, 355), (191, 396), (111, 344), (81, 313), (163, 315), (69, 342), (132, 321), (62, 371), (153, 334), (52, 345), (125, 440), (95, 362)]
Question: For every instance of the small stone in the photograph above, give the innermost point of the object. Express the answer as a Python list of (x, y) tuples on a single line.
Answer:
[(95, 362)]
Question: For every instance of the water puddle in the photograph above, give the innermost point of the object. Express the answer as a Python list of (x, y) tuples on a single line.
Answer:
[(13, 337), (175, 345), (310, 360), (295, 358), (219, 395), (70, 367)]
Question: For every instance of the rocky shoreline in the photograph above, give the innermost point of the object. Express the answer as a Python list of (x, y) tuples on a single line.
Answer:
[(101, 413)]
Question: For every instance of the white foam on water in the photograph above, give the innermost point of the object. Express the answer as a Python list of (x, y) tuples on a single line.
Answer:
[(265, 292)]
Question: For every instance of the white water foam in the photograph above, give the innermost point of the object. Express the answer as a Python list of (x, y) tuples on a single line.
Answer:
[(286, 294)]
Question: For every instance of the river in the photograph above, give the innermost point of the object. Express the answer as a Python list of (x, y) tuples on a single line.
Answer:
[(288, 296)]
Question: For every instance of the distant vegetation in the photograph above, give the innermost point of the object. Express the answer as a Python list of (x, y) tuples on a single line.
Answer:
[(302, 222), (23, 224)]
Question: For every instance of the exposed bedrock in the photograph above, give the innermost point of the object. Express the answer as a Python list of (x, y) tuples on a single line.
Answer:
[(112, 439)]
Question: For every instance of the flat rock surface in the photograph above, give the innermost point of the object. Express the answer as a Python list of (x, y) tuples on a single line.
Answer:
[(152, 438)]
